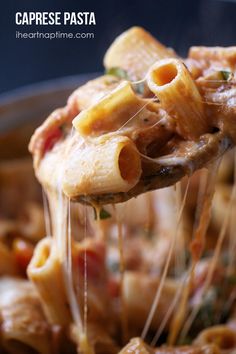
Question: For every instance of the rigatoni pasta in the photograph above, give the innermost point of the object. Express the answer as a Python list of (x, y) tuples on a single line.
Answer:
[(170, 119), (225, 56), (118, 170), (171, 82), (46, 273), (110, 113), (24, 328), (222, 336), (136, 345), (149, 268), (135, 51), (138, 307)]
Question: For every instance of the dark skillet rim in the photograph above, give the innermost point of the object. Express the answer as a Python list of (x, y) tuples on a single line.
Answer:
[(56, 84), (14, 112)]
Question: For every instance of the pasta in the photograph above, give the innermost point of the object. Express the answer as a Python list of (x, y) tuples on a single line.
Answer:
[(222, 336), (119, 170), (45, 272), (137, 307), (24, 328), (104, 116), (171, 82), (135, 51), (185, 127), (153, 274), (138, 346)]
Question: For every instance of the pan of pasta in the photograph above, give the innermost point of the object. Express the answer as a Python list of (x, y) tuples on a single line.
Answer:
[(125, 240)]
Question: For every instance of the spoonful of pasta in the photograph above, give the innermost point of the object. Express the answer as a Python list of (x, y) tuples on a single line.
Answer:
[(119, 137)]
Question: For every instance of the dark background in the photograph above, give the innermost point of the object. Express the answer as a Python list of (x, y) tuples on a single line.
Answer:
[(177, 23)]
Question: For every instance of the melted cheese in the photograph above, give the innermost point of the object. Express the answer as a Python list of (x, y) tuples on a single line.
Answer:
[(216, 255), (164, 273)]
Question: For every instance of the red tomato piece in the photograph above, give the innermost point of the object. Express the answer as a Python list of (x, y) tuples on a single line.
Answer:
[(23, 252)]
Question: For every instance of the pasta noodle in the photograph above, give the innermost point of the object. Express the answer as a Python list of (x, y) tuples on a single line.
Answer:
[(159, 268), (104, 116), (222, 336), (135, 51), (45, 272), (171, 81), (138, 307), (137, 346), (214, 53), (118, 171), (24, 328)]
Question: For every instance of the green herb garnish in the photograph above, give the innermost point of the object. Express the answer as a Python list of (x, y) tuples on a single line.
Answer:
[(62, 128), (104, 214), (139, 87), (231, 279), (118, 72), (226, 75)]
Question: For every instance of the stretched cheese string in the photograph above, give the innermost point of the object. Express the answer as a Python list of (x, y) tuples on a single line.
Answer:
[(169, 311), (124, 320), (47, 217), (197, 247), (60, 212), (164, 273), (85, 276), (180, 254), (212, 266), (139, 111), (65, 236), (180, 263), (210, 273), (182, 307), (69, 274)]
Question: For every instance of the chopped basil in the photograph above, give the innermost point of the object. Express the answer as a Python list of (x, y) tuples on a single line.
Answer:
[(226, 75), (139, 87), (118, 72), (104, 214), (231, 279), (63, 128)]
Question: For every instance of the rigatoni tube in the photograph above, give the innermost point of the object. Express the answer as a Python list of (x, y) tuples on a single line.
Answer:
[(171, 82), (45, 271), (110, 113), (135, 51), (109, 164), (221, 335), (138, 307), (24, 328)]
